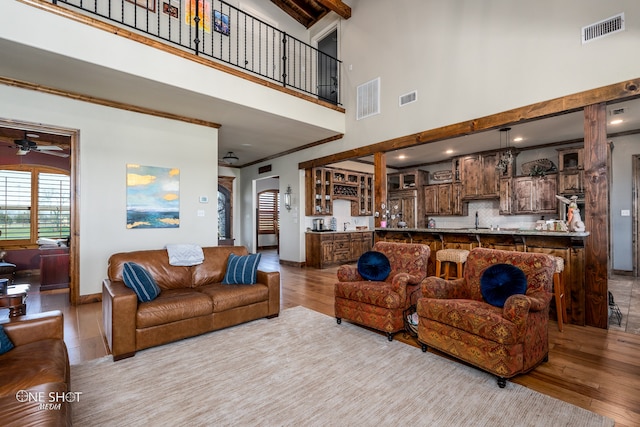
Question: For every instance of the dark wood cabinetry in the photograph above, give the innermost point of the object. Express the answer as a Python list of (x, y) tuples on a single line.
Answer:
[(535, 194), (325, 185), (325, 249), (405, 195), (54, 268), (479, 176), (444, 200), (570, 171)]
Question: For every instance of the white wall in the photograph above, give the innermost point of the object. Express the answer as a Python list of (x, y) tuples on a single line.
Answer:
[(621, 197), (109, 139)]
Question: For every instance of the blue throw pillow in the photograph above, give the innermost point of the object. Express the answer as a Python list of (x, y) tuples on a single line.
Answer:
[(139, 279), (242, 269), (374, 266), (500, 281), (5, 342)]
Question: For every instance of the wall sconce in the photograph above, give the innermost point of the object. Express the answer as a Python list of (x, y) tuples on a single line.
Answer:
[(287, 198)]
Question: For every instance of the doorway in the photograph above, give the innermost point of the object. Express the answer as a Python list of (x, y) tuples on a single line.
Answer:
[(328, 77), (63, 144), (635, 188)]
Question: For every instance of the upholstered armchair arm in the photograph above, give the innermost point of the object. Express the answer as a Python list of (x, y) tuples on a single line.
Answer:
[(539, 299), (436, 287), (516, 309), (347, 273), (400, 281)]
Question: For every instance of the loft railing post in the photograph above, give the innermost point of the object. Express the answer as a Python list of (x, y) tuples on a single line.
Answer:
[(196, 19), (284, 59)]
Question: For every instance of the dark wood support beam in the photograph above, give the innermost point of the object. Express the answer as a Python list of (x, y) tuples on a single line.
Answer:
[(338, 7), (596, 186), (379, 184)]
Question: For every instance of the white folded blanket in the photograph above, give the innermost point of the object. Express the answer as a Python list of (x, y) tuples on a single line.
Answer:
[(185, 254)]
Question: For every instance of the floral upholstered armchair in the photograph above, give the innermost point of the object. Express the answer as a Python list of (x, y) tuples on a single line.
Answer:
[(455, 318), (380, 304)]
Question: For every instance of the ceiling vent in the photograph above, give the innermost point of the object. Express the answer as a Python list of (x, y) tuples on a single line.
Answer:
[(617, 111), (603, 28), (408, 98), (368, 103)]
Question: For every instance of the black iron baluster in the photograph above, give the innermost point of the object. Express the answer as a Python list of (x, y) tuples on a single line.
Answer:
[(197, 21), (284, 59)]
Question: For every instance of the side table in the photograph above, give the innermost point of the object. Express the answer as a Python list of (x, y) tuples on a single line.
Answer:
[(15, 300)]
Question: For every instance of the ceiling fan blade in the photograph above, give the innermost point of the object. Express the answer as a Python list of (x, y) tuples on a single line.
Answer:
[(52, 153), (47, 148)]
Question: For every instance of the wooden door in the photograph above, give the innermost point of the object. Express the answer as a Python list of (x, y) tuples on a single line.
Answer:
[(524, 194), (489, 175), (431, 200), (545, 194), (445, 202), (470, 175)]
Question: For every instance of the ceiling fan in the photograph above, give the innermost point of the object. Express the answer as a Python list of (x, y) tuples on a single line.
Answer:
[(25, 145)]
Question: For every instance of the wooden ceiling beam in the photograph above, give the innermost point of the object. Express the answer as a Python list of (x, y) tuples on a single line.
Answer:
[(343, 10)]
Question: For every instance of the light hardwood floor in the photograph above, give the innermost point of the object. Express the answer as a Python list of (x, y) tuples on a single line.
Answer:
[(595, 369)]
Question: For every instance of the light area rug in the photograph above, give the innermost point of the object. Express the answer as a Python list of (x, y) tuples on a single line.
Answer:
[(303, 369)]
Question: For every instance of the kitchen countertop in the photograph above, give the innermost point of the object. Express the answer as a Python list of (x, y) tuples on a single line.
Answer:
[(341, 231), (503, 231)]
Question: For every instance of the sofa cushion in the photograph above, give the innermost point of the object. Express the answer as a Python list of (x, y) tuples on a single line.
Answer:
[(500, 281), (241, 269), (373, 265), (173, 305), (156, 262), (215, 264), (5, 342), (139, 279), (32, 364), (226, 297)]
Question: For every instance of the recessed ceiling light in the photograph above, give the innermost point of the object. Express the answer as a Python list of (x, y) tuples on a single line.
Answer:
[(33, 135), (449, 151), (402, 157), (615, 122), (518, 139)]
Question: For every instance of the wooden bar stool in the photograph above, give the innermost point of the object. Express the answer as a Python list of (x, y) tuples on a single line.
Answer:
[(448, 256), (558, 291)]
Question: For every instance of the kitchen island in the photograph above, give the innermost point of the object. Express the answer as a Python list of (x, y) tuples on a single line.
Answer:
[(567, 245)]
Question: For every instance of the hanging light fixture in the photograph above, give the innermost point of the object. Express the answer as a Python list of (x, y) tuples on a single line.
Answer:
[(230, 158), (506, 156)]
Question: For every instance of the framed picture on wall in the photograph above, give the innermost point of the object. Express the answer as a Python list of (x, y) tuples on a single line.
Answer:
[(171, 10), (150, 5), (221, 23)]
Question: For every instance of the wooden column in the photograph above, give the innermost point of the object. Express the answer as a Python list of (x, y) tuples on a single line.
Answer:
[(596, 218), (379, 184)]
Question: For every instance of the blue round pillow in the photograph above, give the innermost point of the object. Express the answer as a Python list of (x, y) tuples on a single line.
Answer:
[(500, 281), (374, 266)]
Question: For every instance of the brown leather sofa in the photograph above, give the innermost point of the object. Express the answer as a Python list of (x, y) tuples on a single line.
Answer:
[(34, 375), (192, 300)]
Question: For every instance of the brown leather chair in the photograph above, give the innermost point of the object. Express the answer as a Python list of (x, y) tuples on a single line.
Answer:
[(381, 305)]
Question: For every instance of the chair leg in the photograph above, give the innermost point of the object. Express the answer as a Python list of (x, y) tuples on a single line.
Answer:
[(438, 266), (390, 336), (559, 296), (459, 269), (424, 348), (446, 270), (502, 382), (339, 320)]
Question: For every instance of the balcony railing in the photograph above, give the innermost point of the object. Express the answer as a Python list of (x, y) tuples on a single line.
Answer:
[(222, 32)]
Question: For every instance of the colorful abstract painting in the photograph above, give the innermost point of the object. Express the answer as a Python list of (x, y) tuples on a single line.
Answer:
[(153, 197), (204, 14)]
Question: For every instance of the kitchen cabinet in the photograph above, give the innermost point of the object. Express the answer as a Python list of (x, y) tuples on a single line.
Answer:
[(570, 171), (364, 205), (330, 248), (319, 192), (506, 196), (405, 180), (479, 176), (535, 194), (444, 200), (404, 206)]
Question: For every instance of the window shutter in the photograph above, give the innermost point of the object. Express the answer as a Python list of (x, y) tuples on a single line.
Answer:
[(15, 205), (267, 211), (54, 205)]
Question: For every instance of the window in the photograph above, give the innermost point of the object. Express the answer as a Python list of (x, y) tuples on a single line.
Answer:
[(268, 208), (34, 202)]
